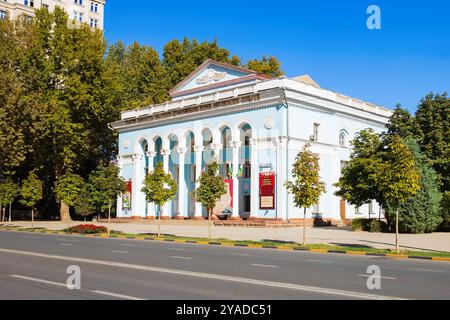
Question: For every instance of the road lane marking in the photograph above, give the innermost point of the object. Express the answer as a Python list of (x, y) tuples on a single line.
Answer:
[(126, 245), (321, 261), (216, 277), (39, 280), (241, 254), (116, 295), (425, 270), (177, 257), (373, 276), (66, 240), (176, 249), (118, 251), (263, 265), (67, 244)]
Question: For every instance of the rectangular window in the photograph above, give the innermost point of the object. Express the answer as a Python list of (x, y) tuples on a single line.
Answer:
[(78, 16), (80, 2), (3, 15), (94, 7), (316, 132), (94, 23)]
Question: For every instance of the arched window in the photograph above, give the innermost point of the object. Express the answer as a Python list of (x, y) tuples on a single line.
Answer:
[(343, 139)]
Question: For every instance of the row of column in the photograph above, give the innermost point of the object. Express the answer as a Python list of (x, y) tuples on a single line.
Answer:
[(138, 198)]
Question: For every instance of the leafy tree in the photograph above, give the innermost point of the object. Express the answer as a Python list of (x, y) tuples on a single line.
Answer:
[(8, 193), (106, 186), (84, 205), (159, 188), (421, 213), (306, 187), (211, 189), (31, 193), (401, 122), (432, 130), (398, 178), (267, 65), (68, 188)]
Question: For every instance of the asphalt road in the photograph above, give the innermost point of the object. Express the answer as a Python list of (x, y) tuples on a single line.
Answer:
[(33, 266)]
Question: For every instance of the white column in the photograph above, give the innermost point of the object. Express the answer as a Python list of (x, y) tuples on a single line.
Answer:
[(254, 201), (181, 183), (236, 195), (151, 157), (119, 198), (198, 171), (166, 155), (281, 196), (136, 186)]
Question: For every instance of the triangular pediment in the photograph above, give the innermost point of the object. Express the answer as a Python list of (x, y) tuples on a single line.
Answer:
[(212, 74)]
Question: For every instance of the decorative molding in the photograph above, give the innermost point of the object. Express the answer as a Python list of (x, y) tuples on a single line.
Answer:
[(182, 150), (199, 148), (236, 144), (166, 152), (211, 77), (150, 154)]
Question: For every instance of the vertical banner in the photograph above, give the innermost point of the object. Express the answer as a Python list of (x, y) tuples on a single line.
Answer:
[(226, 202), (126, 196), (267, 191)]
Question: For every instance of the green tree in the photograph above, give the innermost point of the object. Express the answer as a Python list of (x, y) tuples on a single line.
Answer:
[(398, 178), (306, 187), (67, 189), (8, 193), (84, 205), (421, 213), (267, 65), (159, 188), (432, 130), (106, 186), (211, 189), (401, 122), (31, 193)]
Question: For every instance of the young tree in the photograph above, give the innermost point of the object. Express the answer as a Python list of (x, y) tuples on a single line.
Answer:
[(211, 189), (107, 185), (421, 213), (397, 178), (84, 205), (8, 192), (67, 190), (31, 193), (159, 188), (306, 187)]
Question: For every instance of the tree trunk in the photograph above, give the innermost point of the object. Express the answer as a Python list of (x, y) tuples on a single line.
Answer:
[(32, 219), (304, 227), (65, 212), (1, 210), (109, 219), (209, 223), (397, 245), (159, 221), (10, 213)]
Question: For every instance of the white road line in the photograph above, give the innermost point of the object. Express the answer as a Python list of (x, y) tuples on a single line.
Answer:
[(177, 257), (214, 277), (39, 280), (321, 261), (241, 254), (115, 295), (368, 275), (67, 244), (66, 240), (126, 245), (263, 265), (426, 270), (176, 249), (118, 251)]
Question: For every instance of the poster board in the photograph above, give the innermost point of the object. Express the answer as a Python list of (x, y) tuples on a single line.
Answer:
[(267, 191)]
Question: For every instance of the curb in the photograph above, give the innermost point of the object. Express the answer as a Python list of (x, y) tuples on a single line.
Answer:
[(229, 244)]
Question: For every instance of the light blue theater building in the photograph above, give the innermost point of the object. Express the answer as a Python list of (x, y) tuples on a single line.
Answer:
[(254, 126)]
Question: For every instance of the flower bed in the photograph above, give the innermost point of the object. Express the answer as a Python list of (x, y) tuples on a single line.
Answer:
[(87, 229)]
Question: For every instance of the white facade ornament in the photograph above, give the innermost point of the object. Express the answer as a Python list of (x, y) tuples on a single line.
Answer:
[(126, 144), (269, 123), (211, 77)]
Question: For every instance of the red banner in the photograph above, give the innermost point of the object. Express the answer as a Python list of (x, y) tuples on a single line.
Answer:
[(267, 191), (126, 196), (229, 184)]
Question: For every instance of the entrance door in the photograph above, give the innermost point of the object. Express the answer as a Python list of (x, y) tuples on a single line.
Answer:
[(343, 212)]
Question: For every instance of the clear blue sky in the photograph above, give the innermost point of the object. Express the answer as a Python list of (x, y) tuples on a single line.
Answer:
[(329, 40)]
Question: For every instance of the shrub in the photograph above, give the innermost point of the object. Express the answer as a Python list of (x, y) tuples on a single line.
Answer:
[(359, 225), (87, 229), (376, 226)]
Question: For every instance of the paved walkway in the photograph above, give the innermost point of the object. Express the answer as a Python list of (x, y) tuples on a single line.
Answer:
[(333, 236)]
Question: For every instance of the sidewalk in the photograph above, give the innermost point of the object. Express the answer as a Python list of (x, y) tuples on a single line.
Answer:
[(332, 236)]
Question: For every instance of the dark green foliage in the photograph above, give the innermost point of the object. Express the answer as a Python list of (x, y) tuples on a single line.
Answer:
[(401, 123), (68, 188), (211, 188), (84, 205), (369, 225), (159, 187), (421, 213), (31, 191), (105, 186)]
